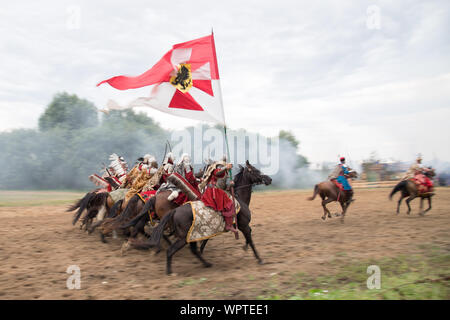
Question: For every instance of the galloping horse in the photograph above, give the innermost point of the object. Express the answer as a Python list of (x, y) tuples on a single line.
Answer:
[(409, 189), (247, 177), (181, 220), (329, 192), (244, 181)]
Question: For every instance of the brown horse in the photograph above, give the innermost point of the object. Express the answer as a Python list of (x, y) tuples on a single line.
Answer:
[(329, 192), (409, 189)]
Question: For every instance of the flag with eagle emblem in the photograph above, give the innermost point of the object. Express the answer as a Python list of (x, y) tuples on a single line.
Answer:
[(186, 83)]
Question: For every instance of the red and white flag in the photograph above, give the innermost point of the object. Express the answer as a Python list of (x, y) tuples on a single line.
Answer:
[(186, 83)]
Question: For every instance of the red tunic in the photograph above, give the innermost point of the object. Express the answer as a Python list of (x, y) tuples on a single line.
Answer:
[(191, 178), (215, 197)]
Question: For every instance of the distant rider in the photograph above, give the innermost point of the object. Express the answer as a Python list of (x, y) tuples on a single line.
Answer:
[(417, 172), (340, 173)]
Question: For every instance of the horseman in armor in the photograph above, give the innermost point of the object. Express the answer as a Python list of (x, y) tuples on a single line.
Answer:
[(213, 185), (184, 168), (142, 173), (181, 181), (417, 173), (168, 166), (114, 175), (168, 169), (339, 175)]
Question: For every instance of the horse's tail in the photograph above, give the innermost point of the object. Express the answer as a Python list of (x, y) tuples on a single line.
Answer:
[(149, 206), (99, 199), (81, 204), (91, 214), (75, 206), (316, 191), (156, 235), (400, 186), (114, 209)]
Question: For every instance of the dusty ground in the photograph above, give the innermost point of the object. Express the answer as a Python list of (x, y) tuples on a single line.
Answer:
[(39, 243)]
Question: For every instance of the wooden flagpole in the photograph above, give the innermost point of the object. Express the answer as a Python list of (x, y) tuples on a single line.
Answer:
[(230, 174)]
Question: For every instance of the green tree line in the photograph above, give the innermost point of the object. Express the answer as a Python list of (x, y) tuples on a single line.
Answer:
[(72, 141)]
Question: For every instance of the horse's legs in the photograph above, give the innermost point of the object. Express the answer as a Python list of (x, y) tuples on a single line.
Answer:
[(421, 207), (88, 223), (198, 255), (398, 204), (429, 205), (407, 203), (166, 238), (202, 247), (344, 206), (325, 209), (247, 232), (94, 226), (180, 243), (138, 228)]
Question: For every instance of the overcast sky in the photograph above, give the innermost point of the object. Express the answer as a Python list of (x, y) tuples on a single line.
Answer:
[(347, 77)]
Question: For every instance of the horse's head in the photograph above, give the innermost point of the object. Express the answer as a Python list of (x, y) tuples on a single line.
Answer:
[(430, 173), (251, 175), (352, 174)]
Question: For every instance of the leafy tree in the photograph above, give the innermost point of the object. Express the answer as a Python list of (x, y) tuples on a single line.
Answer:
[(68, 112), (289, 137)]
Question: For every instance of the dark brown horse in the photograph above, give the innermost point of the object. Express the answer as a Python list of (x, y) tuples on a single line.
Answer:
[(329, 192), (247, 177), (93, 205), (409, 189), (180, 221), (244, 181)]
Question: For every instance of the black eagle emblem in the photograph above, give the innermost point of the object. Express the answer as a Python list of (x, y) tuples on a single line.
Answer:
[(183, 80)]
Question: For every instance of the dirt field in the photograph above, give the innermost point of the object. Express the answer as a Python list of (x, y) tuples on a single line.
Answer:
[(38, 243)]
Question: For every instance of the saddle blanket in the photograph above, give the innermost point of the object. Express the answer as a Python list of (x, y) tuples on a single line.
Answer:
[(145, 195), (423, 185), (207, 222), (118, 194)]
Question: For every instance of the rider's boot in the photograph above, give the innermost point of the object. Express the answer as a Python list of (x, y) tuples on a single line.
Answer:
[(228, 216), (173, 195)]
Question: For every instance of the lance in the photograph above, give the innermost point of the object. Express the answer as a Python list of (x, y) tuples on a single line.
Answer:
[(230, 174), (106, 169), (165, 152)]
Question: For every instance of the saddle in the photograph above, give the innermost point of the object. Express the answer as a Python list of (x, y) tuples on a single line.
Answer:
[(145, 195)]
